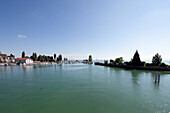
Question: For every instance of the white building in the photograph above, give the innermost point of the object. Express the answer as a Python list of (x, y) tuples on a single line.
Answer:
[(24, 61), (6, 59)]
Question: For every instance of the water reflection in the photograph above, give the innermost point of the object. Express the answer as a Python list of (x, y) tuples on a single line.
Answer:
[(60, 68), (115, 71), (112, 71), (90, 69), (40, 66), (6, 68), (135, 76), (26, 67), (156, 85)]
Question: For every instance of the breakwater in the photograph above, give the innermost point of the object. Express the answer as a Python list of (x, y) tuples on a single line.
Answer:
[(150, 68)]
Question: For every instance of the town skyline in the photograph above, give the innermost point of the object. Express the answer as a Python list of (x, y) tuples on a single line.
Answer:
[(71, 58)]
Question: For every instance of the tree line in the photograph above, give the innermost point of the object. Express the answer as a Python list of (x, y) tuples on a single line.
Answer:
[(136, 61), (44, 58)]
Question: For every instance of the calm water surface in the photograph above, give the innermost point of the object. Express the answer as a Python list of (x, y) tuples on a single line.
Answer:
[(80, 88)]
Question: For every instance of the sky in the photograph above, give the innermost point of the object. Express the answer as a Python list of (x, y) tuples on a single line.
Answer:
[(106, 29)]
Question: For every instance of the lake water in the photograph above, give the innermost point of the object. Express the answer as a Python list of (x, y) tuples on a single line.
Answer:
[(81, 88)]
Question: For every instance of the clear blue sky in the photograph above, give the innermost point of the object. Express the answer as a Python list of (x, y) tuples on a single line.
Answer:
[(77, 28)]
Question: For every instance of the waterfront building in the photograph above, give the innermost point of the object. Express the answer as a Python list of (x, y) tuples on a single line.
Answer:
[(24, 61), (6, 59)]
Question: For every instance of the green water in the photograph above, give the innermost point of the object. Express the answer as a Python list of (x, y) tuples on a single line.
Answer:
[(81, 88)]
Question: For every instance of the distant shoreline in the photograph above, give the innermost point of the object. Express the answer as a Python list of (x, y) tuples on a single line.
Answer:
[(148, 68), (42, 63)]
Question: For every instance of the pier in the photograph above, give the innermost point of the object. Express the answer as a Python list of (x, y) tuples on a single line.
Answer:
[(149, 68)]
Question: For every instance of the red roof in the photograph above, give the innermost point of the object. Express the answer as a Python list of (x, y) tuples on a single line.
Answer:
[(21, 58), (3, 55)]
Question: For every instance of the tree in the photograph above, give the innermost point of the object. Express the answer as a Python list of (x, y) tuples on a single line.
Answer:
[(119, 60), (40, 58), (23, 54), (46, 58), (34, 56), (59, 58), (147, 64), (162, 65), (43, 58), (11, 55), (105, 61), (156, 60), (111, 61), (136, 59), (0, 60), (65, 59), (50, 58), (55, 56), (90, 58), (85, 60)]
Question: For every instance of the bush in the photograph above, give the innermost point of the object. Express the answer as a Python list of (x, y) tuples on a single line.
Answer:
[(111, 61), (106, 62), (162, 65), (148, 64), (143, 63), (119, 60), (128, 63)]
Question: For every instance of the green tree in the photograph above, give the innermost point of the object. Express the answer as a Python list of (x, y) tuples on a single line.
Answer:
[(156, 60), (136, 59), (46, 58), (162, 65), (90, 58), (65, 59), (105, 61), (34, 56), (119, 60), (11, 55), (50, 58), (85, 60), (23, 54), (55, 56), (59, 58), (111, 61), (40, 58)]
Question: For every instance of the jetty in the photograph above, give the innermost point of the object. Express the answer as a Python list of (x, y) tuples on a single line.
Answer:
[(131, 67)]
